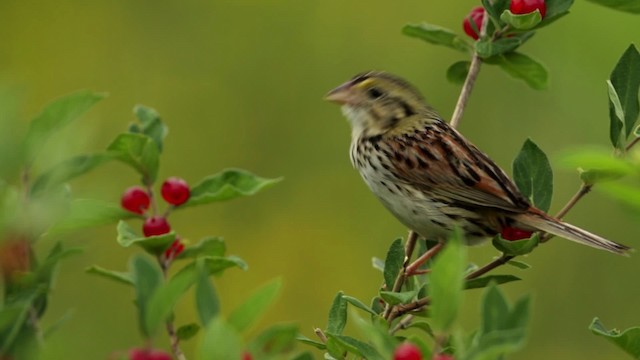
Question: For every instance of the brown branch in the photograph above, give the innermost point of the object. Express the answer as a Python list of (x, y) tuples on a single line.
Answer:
[(402, 309), (469, 82), (409, 247), (413, 268), (490, 266)]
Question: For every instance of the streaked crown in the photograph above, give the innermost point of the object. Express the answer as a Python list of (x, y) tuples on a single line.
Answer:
[(378, 102)]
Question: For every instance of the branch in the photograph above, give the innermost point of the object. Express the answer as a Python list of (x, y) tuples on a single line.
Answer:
[(171, 331), (503, 259), (474, 69), (469, 82)]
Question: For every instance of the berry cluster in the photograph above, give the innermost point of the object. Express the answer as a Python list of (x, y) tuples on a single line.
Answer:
[(517, 7), (175, 191)]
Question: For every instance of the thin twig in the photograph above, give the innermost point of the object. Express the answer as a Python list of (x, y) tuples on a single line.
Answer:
[(469, 82), (402, 309), (490, 266), (413, 268), (320, 334), (582, 191), (474, 69), (631, 144), (402, 324), (171, 331)]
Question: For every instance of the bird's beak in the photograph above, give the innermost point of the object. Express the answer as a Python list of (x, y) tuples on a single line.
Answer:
[(342, 95)]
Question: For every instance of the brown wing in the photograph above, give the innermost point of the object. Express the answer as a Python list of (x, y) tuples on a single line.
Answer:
[(440, 160)]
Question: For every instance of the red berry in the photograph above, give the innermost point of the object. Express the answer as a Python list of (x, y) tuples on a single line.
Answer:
[(159, 355), (135, 199), (247, 356), (174, 250), (139, 354), (528, 6), (477, 15), (443, 357), (175, 191), (407, 351), (155, 225), (510, 233)]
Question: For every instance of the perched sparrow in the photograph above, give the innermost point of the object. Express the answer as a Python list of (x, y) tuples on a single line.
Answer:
[(428, 175)]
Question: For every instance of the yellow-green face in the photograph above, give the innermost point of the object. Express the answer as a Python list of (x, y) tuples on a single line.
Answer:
[(377, 102)]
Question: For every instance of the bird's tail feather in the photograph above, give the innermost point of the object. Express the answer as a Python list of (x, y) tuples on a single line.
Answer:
[(558, 228)]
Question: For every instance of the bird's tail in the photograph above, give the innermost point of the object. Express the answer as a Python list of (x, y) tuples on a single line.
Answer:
[(546, 223)]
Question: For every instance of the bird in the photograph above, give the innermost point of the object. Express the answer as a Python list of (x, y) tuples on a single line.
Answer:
[(428, 175)]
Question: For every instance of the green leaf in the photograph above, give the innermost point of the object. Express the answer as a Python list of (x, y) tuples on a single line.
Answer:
[(316, 344), (519, 264), (376, 331), (487, 47), (495, 9), (215, 265), (503, 327), (186, 332), (393, 262), (437, 35), (303, 356), (359, 304), (516, 247), (495, 310), (221, 341), (337, 314), (447, 280), (357, 347), (555, 10), (67, 170), (44, 272), (533, 175), (209, 246), (630, 6), (207, 301), (155, 245), (457, 72), (627, 340), (89, 213), (484, 281), (119, 276), (164, 299), (601, 164), (616, 118), (394, 298), (624, 193), (57, 115), (625, 79), (138, 151), (522, 21), (522, 67), (147, 277), (274, 340), (422, 325), (251, 310), (227, 185), (151, 124), (13, 317)]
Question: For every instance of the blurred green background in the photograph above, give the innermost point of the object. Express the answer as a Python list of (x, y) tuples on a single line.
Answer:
[(240, 84)]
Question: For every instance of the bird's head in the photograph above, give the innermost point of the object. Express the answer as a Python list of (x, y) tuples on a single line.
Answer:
[(377, 103)]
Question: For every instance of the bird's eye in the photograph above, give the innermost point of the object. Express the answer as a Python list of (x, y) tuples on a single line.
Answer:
[(374, 93)]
